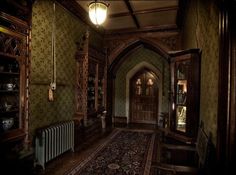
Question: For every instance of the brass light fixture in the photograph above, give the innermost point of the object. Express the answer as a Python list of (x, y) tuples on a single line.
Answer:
[(98, 12)]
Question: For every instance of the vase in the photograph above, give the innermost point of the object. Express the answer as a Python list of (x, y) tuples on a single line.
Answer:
[(7, 123)]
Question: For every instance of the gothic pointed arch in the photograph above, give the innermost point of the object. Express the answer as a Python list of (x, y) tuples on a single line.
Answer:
[(119, 57)]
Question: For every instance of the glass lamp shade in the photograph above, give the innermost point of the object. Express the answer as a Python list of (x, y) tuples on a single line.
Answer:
[(97, 12)]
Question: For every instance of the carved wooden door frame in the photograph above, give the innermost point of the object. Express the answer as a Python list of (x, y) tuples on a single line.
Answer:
[(226, 121)]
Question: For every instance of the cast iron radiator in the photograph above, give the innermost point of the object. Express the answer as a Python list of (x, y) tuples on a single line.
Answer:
[(52, 141)]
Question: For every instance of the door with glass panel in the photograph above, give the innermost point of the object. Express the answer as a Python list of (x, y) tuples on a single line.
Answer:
[(182, 70), (185, 92), (144, 97)]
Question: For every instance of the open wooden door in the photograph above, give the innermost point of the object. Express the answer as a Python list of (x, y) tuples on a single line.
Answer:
[(144, 97)]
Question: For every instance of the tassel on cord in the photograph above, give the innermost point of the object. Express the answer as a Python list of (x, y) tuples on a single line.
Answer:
[(52, 86)]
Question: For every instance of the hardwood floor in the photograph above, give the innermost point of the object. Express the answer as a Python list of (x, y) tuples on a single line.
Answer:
[(68, 160)]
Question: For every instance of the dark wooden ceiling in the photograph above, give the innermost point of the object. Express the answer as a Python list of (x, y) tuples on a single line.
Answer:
[(126, 16)]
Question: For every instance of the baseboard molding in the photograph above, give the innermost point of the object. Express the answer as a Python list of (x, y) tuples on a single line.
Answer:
[(119, 119)]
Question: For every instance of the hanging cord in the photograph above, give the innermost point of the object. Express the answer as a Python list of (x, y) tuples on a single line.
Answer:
[(53, 80), (52, 85)]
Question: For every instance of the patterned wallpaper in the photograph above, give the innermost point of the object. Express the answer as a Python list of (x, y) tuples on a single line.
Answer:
[(201, 30), (69, 30), (135, 58)]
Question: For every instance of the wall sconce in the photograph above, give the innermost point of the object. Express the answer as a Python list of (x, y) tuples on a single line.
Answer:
[(98, 12)]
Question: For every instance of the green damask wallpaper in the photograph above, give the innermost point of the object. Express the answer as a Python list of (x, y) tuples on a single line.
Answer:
[(201, 31), (69, 30), (135, 58)]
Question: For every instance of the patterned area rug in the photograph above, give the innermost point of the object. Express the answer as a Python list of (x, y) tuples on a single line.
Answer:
[(124, 152)]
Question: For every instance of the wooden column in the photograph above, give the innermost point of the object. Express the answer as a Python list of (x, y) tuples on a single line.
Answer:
[(82, 78)]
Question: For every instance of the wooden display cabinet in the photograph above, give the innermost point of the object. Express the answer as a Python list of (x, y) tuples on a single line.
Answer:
[(185, 88), (15, 22), (91, 93), (14, 34), (90, 81), (95, 85), (90, 99)]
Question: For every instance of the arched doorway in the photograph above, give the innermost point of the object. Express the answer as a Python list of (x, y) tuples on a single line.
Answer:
[(117, 58), (144, 97)]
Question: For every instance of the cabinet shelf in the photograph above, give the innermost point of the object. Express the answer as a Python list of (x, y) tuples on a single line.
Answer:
[(10, 111), (9, 91), (10, 85), (185, 73), (9, 73), (8, 56), (90, 77), (12, 135)]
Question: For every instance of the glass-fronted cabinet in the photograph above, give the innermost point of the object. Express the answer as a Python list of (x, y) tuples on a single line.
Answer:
[(100, 93), (185, 87), (13, 81), (95, 89), (182, 69), (9, 94), (91, 93), (15, 22), (91, 84)]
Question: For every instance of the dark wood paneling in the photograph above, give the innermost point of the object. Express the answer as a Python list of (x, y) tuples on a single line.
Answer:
[(132, 13), (223, 86), (226, 133), (231, 121), (160, 28), (144, 11)]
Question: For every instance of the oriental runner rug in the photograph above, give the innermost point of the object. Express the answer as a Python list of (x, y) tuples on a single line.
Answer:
[(125, 152)]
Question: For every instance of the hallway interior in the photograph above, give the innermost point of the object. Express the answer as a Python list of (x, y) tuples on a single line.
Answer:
[(169, 65)]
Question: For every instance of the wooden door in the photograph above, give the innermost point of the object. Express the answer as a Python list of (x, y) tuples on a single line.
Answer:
[(185, 88), (144, 97)]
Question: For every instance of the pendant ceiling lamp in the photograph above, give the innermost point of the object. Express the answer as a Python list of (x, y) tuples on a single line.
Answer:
[(98, 12)]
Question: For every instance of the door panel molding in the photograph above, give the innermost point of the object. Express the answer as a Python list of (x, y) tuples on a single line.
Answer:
[(131, 73), (144, 97)]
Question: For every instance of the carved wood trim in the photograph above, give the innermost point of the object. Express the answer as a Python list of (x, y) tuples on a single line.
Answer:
[(159, 42), (82, 77), (89, 61), (12, 45), (82, 48), (96, 55), (14, 20), (117, 54)]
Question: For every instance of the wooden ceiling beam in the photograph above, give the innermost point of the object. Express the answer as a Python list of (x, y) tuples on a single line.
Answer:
[(144, 11), (171, 27), (131, 12)]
